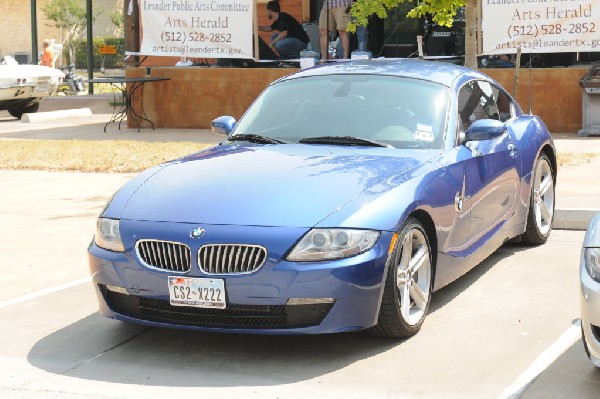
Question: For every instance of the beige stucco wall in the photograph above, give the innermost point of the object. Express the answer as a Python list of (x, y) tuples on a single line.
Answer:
[(15, 24)]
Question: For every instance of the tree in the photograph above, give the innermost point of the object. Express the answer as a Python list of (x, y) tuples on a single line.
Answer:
[(69, 16), (442, 12), (117, 17)]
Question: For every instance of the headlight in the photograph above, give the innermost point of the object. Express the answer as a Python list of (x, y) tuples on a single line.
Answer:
[(591, 257), (108, 235), (327, 244)]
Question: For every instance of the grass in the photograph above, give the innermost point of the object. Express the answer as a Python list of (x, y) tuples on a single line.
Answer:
[(574, 159), (103, 88), (116, 156), (125, 156)]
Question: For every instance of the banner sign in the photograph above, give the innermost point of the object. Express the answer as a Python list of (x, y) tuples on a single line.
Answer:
[(197, 28), (540, 26)]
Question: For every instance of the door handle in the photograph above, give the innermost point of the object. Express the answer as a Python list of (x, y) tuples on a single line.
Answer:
[(512, 150)]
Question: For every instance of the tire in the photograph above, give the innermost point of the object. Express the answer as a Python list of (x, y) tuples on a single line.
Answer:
[(594, 361), (585, 346), (18, 113), (408, 284), (541, 203)]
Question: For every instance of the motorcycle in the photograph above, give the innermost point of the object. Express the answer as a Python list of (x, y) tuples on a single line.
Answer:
[(71, 84)]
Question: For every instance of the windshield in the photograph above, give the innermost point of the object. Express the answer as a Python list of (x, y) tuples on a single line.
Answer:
[(398, 112)]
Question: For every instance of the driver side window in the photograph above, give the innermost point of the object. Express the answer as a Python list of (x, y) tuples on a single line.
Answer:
[(480, 100)]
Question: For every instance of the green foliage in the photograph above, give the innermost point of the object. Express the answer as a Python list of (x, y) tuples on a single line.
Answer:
[(108, 61), (65, 13), (117, 17), (442, 11), (71, 17)]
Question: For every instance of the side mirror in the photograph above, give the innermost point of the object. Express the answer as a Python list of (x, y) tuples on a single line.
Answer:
[(223, 125), (484, 129)]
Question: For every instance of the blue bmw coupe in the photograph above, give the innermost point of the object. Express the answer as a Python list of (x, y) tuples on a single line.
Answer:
[(341, 200)]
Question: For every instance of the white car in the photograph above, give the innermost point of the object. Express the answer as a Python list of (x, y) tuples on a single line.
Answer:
[(589, 275), (22, 87)]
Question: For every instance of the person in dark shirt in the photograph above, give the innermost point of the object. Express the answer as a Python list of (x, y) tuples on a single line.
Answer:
[(291, 37)]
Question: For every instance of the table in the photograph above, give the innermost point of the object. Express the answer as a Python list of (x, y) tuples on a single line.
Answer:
[(126, 108)]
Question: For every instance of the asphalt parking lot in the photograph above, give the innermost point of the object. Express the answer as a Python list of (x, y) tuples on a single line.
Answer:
[(507, 329)]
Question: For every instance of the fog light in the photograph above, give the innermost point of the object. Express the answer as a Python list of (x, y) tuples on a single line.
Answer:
[(118, 290), (309, 301)]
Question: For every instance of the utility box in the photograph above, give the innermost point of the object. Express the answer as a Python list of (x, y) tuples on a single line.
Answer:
[(590, 104)]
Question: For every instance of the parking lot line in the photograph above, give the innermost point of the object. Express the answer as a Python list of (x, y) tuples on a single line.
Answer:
[(45, 291), (542, 362)]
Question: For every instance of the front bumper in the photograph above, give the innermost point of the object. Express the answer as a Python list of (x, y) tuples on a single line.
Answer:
[(589, 300), (280, 298)]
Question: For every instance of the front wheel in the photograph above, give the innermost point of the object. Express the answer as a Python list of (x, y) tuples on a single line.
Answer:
[(541, 203), (408, 284), (18, 112)]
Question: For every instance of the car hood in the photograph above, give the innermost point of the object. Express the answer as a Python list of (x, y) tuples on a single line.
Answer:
[(273, 185)]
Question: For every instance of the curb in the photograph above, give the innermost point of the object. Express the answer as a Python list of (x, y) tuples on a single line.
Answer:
[(56, 115), (98, 103), (572, 218)]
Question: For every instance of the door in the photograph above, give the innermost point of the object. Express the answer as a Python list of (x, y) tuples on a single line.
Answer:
[(491, 176)]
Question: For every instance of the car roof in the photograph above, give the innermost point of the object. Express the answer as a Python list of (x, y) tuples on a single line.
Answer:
[(440, 72)]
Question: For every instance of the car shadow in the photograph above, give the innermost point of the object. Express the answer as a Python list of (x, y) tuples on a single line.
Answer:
[(6, 118), (571, 375), (97, 348), (446, 294)]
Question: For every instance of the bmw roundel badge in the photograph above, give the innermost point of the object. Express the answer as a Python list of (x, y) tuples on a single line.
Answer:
[(197, 232)]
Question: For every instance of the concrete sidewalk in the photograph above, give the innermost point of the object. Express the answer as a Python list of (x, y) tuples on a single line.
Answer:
[(53, 121), (577, 192)]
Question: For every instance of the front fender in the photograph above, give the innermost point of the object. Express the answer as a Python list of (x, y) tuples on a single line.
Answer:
[(388, 210)]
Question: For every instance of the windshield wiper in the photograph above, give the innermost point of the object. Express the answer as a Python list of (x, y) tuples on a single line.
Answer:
[(254, 138), (343, 140)]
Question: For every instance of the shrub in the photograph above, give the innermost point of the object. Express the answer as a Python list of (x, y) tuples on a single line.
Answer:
[(106, 61)]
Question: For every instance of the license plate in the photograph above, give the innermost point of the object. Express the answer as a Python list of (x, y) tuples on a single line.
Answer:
[(197, 292), (42, 87)]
